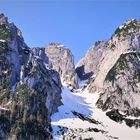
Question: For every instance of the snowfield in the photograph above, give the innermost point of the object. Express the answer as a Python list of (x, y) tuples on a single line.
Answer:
[(67, 126)]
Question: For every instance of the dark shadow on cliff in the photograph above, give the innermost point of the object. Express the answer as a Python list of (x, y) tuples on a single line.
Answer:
[(82, 74)]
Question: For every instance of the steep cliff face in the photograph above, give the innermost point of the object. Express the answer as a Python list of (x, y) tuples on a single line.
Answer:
[(118, 76), (89, 64), (29, 90), (40, 53), (122, 86), (62, 60), (125, 39)]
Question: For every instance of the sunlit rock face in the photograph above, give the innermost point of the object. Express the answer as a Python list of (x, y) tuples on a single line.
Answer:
[(30, 91), (62, 60), (118, 71), (125, 39)]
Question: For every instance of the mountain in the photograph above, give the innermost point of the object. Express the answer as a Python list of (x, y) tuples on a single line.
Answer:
[(62, 60), (41, 96), (30, 91), (124, 40), (118, 75)]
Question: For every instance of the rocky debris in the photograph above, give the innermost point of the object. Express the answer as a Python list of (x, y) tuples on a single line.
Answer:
[(89, 64), (119, 44), (29, 91), (85, 118), (62, 60), (80, 134), (116, 116)]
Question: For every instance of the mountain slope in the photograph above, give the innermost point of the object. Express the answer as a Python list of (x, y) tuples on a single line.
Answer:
[(29, 91), (122, 86), (125, 39)]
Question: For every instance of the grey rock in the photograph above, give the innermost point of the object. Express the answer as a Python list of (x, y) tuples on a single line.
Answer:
[(122, 86), (45, 81), (62, 60), (89, 64), (118, 75), (125, 39), (3, 19)]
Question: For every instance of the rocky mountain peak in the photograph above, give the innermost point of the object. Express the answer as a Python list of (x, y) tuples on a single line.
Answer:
[(131, 26), (62, 60)]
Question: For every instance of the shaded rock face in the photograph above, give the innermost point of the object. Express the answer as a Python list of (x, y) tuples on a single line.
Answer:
[(45, 81), (118, 78), (29, 90), (61, 59), (89, 64)]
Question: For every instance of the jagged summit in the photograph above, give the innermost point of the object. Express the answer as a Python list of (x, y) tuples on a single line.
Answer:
[(10, 28), (62, 60), (129, 27), (56, 45)]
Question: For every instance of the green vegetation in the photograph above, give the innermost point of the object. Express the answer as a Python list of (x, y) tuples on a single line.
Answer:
[(26, 117), (5, 32), (3, 47), (120, 65)]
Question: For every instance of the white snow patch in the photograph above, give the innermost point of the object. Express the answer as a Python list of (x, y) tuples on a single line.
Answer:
[(47, 66), (120, 27), (3, 108), (85, 103), (1, 40)]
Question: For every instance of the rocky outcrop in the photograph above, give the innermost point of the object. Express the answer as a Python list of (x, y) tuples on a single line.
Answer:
[(125, 39), (29, 90), (115, 115), (62, 60), (40, 53), (122, 86), (118, 76), (89, 64)]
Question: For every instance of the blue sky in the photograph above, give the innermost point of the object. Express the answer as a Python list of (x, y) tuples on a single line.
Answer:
[(75, 23)]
